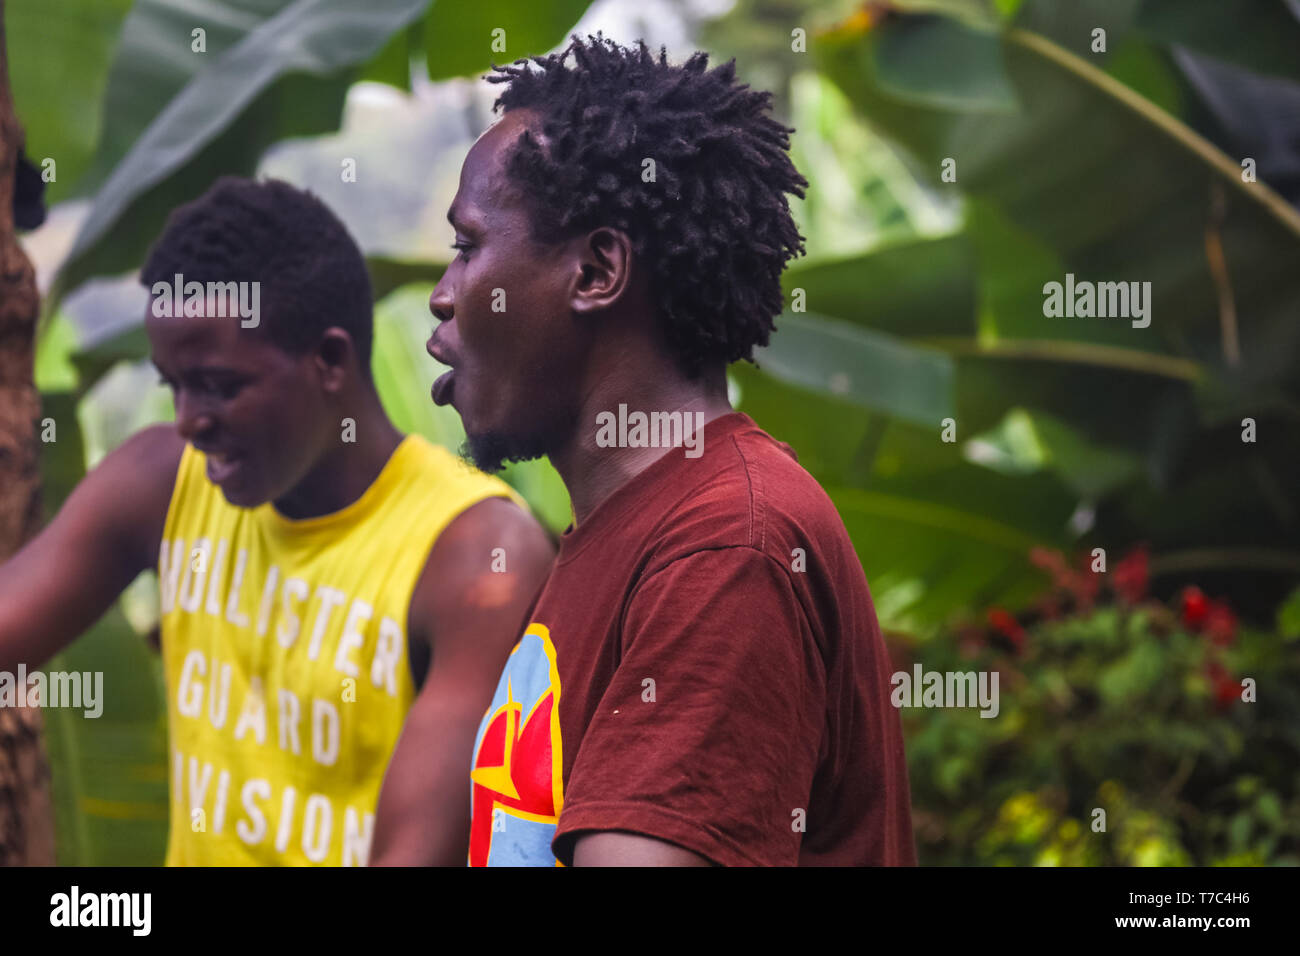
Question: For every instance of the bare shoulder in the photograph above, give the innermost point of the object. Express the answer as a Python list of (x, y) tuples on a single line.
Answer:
[(132, 487), (490, 559), (497, 522), (149, 460), (156, 446)]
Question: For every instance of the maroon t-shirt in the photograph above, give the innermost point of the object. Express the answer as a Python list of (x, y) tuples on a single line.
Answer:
[(703, 666)]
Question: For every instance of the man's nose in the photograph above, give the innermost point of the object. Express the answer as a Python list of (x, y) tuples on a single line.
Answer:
[(192, 419), (440, 302)]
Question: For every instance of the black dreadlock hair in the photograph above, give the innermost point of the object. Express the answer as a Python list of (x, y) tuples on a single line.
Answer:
[(714, 227), (312, 274)]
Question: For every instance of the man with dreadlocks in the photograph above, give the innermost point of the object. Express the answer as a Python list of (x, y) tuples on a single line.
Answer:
[(702, 678)]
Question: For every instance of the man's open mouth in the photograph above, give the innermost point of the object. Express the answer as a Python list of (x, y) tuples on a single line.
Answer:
[(222, 467), (441, 391)]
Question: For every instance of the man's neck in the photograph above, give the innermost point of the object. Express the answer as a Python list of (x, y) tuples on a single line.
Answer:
[(343, 473), (591, 468)]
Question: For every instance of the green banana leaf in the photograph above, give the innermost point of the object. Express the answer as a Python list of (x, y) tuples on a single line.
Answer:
[(272, 70), (1112, 187), (459, 38), (1269, 45), (286, 75), (1074, 172), (869, 368), (59, 55)]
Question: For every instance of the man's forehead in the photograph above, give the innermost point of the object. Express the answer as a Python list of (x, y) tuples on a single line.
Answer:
[(484, 184), (183, 336), (507, 129), (190, 333)]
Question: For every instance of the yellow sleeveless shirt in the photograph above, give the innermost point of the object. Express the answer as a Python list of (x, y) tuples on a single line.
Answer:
[(284, 647)]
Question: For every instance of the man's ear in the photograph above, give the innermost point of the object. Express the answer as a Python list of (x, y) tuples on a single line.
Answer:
[(335, 355), (604, 259)]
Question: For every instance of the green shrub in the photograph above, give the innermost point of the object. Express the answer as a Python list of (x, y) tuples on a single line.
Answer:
[(1132, 707)]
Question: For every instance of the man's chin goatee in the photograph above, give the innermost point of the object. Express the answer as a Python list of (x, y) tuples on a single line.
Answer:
[(489, 452)]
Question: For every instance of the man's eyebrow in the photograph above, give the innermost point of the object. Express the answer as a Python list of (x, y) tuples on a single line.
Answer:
[(218, 370), (456, 216)]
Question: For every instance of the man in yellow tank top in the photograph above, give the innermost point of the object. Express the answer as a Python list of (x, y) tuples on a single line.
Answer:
[(335, 596)]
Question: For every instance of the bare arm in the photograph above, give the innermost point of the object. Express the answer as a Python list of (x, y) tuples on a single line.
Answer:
[(615, 848), (476, 617), (106, 533)]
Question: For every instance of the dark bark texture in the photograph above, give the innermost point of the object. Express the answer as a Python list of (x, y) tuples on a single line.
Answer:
[(26, 811)]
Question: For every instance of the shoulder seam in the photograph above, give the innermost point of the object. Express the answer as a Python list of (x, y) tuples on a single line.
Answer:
[(753, 482), (648, 574)]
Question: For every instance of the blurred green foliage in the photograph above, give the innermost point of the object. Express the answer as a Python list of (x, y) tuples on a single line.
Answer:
[(1122, 708)]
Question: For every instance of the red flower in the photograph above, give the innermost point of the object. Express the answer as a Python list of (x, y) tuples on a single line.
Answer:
[(1084, 583), (1005, 624), (1131, 575), (1195, 607), (1221, 624), (1224, 689), (1226, 693)]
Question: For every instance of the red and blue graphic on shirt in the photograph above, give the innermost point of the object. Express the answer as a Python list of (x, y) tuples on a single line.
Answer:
[(517, 786)]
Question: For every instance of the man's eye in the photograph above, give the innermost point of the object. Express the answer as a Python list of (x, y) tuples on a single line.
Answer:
[(224, 389), (463, 248)]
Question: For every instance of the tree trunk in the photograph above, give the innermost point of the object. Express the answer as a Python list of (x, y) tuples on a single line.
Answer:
[(26, 812)]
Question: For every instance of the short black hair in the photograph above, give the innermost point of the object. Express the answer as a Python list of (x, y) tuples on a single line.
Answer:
[(714, 228), (312, 274)]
